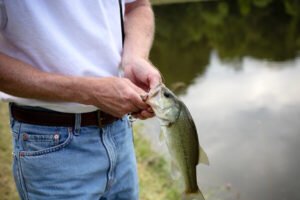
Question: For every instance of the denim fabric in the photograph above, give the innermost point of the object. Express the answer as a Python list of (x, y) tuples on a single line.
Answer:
[(78, 163)]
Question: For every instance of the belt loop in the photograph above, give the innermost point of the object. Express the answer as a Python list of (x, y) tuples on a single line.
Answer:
[(11, 120), (77, 124), (100, 119)]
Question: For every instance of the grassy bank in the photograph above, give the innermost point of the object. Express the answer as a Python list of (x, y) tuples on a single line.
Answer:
[(7, 187), (154, 179)]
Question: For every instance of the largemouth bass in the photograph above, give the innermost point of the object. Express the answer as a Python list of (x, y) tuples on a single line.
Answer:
[(180, 133)]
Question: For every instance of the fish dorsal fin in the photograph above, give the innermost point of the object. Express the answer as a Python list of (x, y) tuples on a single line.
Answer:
[(203, 158)]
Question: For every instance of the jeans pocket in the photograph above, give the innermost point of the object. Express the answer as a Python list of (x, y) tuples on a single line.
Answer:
[(35, 142), (38, 140)]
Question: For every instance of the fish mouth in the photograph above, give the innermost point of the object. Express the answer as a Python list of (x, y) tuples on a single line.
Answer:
[(153, 102), (155, 90), (152, 93)]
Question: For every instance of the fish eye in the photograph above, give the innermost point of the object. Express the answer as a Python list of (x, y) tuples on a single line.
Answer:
[(167, 94)]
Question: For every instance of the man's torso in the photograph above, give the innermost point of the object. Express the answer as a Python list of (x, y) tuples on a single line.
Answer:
[(78, 38)]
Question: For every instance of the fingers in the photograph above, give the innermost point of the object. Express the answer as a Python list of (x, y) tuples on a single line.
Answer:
[(154, 80), (138, 97), (146, 111), (141, 72), (117, 96), (144, 114), (144, 97), (154, 76), (150, 110)]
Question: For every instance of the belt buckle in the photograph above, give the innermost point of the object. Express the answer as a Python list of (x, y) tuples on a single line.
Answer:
[(100, 119)]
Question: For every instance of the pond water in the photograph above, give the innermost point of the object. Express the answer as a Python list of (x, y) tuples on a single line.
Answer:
[(241, 68)]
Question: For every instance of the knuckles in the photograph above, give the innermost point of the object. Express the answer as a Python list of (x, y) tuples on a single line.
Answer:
[(121, 97)]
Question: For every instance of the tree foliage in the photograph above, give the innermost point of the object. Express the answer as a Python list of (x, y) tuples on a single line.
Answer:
[(186, 34)]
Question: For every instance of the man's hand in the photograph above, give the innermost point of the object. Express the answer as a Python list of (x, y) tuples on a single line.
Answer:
[(143, 74), (139, 31), (116, 96)]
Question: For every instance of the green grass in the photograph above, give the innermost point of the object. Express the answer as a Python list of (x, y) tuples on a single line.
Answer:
[(155, 182), (7, 186)]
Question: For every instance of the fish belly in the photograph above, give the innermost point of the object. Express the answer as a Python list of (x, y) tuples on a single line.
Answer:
[(184, 149)]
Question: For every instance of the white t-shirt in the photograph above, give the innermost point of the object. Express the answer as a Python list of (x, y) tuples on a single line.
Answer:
[(71, 37)]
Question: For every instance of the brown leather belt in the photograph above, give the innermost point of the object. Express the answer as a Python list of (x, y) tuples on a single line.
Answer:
[(53, 118)]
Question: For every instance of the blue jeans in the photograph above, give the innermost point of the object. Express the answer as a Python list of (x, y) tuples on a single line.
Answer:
[(74, 163)]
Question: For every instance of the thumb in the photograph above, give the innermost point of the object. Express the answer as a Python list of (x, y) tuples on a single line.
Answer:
[(154, 81)]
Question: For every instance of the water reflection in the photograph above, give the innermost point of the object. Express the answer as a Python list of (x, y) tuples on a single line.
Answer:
[(248, 122), (187, 33), (243, 72)]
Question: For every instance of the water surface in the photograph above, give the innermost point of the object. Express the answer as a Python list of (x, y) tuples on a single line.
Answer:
[(242, 71)]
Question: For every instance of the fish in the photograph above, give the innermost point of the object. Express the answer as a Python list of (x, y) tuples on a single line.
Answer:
[(179, 130)]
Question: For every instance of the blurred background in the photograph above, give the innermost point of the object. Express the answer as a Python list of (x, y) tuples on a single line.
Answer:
[(237, 66), (240, 64)]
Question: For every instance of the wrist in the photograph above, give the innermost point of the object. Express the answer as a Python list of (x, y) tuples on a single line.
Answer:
[(82, 88), (133, 59), (131, 53)]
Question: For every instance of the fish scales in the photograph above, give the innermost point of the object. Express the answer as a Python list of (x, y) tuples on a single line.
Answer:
[(181, 137), (183, 145)]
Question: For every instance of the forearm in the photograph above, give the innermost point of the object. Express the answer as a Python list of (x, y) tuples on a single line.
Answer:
[(117, 96), (22, 80), (139, 29)]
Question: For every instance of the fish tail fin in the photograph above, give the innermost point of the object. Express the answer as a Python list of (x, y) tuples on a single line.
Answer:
[(193, 196)]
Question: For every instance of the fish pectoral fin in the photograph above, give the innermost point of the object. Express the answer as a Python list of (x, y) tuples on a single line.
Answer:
[(161, 136), (193, 196), (161, 139), (174, 171), (203, 158)]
